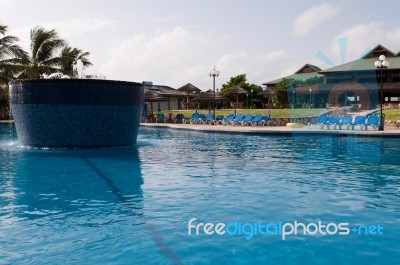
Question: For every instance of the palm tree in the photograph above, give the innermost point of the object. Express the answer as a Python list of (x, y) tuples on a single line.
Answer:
[(45, 46), (12, 57), (69, 56)]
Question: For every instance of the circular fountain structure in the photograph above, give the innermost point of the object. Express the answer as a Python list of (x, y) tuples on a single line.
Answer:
[(76, 113)]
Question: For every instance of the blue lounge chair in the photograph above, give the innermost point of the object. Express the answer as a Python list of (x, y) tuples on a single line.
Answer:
[(228, 119), (219, 119), (359, 121), (246, 120), (179, 118), (372, 121), (238, 118), (322, 121), (160, 117), (346, 122), (257, 120), (208, 119), (194, 119), (333, 122), (265, 120)]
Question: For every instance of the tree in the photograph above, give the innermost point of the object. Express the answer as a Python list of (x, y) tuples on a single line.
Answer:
[(69, 56), (241, 81), (281, 99), (44, 58), (12, 60), (12, 57)]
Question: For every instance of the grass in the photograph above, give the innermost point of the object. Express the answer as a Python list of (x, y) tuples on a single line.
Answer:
[(392, 114), (276, 113)]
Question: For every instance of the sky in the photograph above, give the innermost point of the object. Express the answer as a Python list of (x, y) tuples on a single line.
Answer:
[(175, 42)]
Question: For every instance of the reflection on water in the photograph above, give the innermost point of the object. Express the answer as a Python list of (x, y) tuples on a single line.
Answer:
[(66, 181)]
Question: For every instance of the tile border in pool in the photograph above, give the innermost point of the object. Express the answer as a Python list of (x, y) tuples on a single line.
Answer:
[(275, 130)]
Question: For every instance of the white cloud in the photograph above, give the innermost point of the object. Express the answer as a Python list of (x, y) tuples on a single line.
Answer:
[(363, 37), (79, 26), (259, 68), (313, 17), (181, 56), (161, 18), (7, 3), (72, 30)]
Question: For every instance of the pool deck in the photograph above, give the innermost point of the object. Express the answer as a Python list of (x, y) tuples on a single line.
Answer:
[(6, 122), (280, 130)]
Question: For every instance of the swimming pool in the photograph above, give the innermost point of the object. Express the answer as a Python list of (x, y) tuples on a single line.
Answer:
[(133, 205)]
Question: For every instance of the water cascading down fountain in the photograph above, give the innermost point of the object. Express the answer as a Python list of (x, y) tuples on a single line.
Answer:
[(76, 113)]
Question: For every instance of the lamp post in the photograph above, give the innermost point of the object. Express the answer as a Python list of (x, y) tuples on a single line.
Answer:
[(293, 97), (382, 64), (247, 100), (251, 99), (214, 72), (310, 98)]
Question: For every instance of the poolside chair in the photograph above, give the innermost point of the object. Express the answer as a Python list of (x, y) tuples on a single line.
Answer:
[(160, 117), (238, 118), (346, 122), (228, 119), (219, 119), (358, 121), (246, 120), (257, 120), (208, 119), (193, 120), (169, 118), (333, 122), (372, 121), (201, 117), (265, 120), (179, 118), (322, 120)]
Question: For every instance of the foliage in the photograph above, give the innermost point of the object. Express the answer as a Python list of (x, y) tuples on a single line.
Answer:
[(69, 56), (44, 47), (50, 54), (240, 81), (279, 98), (12, 57)]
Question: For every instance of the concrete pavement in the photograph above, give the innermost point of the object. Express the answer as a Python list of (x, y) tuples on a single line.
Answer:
[(269, 129)]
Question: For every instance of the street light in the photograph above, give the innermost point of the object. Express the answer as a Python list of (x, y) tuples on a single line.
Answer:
[(214, 72), (293, 97), (251, 99), (310, 98), (382, 64)]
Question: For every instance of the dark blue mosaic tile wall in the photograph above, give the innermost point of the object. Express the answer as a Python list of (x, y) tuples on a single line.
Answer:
[(70, 113)]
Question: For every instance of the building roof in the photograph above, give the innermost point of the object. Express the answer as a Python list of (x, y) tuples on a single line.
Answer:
[(165, 91), (189, 88), (295, 77), (308, 68), (377, 51), (363, 65), (305, 72)]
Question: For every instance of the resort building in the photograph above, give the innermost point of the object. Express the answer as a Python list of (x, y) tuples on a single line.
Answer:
[(162, 98), (355, 84)]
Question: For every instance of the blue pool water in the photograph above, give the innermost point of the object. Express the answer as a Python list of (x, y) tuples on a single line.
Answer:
[(133, 205)]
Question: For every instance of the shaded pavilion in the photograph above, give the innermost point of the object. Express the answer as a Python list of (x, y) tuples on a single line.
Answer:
[(189, 89)]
